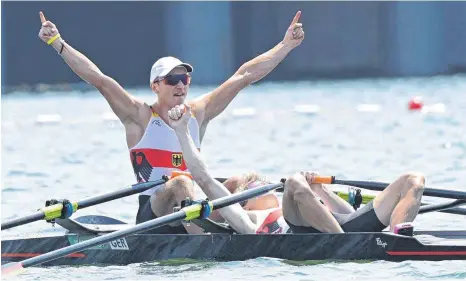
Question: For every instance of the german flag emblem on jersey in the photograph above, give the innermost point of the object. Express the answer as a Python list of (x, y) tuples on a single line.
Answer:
[(177, 159)]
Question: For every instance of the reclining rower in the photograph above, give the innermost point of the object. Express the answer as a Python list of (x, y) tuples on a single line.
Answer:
[(301, 210), (304, 212)]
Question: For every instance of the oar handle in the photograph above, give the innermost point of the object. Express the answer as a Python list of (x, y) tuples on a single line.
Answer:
[(188, 174), (324, 179), (181, 173)]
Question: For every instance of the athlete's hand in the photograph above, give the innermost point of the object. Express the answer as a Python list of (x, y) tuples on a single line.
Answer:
[(178, 117), (48, 30), (295, 33), (310, 176)]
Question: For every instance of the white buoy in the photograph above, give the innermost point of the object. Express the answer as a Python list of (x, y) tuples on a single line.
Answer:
[(109, 116), (368, 107), (242, 112), (434, 108), (307, 108), (48, 118)]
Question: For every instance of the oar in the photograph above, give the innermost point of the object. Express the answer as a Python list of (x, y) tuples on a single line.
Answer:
[(445, 207), (54, 211), (380, 186), (442, 207), (186, 213)]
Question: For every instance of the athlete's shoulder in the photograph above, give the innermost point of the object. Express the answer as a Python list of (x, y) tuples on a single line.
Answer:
[(144, 113), (197, 110)]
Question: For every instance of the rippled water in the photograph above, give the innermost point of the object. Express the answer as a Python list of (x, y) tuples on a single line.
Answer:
[(68, 145)]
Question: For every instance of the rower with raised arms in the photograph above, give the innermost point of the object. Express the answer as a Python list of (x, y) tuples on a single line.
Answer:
[(153, 147)]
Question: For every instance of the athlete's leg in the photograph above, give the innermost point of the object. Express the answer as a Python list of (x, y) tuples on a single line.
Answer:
[(301, 208), (400, 201), (175, 191)]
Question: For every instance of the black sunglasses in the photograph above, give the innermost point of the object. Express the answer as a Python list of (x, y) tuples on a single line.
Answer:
[(174, 79)]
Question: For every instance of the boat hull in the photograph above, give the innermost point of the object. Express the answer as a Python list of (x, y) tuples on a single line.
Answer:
[(234, 247)]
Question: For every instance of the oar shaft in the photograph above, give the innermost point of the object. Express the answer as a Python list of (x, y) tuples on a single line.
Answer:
[(455, 211), (54, 211), (134, 189), (380, 186), (250, 193), (443, 206), (23, 220)]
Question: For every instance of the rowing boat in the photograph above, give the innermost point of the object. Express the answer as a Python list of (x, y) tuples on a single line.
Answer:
[(107, 241), (227, 246)]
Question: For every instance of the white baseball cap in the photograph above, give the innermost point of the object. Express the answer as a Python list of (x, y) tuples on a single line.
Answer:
[(164, 65)]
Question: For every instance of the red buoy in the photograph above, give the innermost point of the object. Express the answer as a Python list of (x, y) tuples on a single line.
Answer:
[(415, 103)]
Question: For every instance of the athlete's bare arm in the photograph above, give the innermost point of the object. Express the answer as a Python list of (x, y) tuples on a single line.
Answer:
[(334, 202), (212, 104), (236, 216), (123, 105)]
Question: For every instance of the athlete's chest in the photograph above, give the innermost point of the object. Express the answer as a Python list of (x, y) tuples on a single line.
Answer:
[(159, 134)]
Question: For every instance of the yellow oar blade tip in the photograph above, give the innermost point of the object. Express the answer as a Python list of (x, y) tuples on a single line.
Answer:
[(12, 269)]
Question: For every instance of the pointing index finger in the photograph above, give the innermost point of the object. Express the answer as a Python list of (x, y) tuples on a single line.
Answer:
[(296, 18), (42, 17)]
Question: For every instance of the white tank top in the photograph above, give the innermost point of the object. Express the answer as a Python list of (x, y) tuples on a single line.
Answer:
[(158, 152)]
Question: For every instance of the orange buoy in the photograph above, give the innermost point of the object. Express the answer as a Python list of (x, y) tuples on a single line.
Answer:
[(415, 103)]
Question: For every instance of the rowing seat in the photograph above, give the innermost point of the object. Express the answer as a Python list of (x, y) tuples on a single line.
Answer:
[(92, 224), (208, 225), (102, 224), (211, 226)]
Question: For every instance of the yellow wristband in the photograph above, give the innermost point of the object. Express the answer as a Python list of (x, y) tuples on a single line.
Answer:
[(51, 40)]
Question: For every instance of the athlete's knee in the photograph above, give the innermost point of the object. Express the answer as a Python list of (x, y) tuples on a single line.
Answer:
[(181, 182), (293, 182), (239, 183), (233, 183), (181, 185), (296, 185), (414, 181)]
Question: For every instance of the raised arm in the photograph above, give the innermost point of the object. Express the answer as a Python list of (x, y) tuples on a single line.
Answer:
[(212, 104), (123, 105), (234, 214)]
